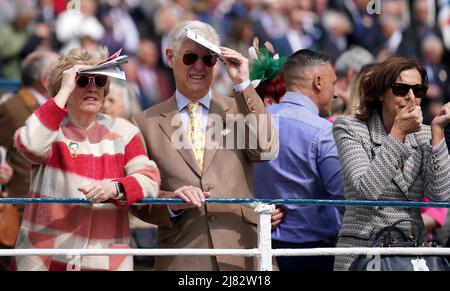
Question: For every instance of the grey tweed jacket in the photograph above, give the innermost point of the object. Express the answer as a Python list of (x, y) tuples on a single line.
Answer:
[(376, 166)]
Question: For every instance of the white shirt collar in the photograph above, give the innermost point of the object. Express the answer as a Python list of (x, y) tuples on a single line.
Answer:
[(183, 101), (41, 99)]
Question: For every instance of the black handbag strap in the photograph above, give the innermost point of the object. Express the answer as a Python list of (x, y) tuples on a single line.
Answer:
[(385, 236)]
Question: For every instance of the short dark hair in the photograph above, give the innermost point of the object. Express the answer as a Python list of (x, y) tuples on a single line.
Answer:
[(379, 79), (303, 58)]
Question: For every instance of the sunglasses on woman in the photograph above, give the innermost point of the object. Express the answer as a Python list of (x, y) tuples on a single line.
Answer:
[(401, 89), (99, 81), (191, 58)]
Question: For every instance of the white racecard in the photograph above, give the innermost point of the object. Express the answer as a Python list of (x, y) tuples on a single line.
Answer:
[(204, 42), (111, 67)]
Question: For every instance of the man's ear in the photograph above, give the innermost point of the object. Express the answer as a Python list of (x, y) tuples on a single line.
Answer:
[(269, 101), (318, 82), (43, 82), (170, 55)]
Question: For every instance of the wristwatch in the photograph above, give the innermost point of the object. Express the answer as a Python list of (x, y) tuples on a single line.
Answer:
[(120, 190)]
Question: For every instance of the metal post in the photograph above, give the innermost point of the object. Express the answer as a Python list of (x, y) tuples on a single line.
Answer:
[(264, 212)]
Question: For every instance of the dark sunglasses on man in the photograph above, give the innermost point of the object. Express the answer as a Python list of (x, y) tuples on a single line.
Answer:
[(99, 81), (401, 89), (190, 58)]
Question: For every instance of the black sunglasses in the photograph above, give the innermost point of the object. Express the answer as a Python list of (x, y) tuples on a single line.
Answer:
[(99, 81), (400, 89), (191, 58)]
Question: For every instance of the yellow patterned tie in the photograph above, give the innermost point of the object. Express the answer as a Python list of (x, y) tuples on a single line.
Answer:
[(196, 135)]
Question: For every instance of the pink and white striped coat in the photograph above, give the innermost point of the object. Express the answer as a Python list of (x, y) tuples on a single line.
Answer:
[(109, 150)]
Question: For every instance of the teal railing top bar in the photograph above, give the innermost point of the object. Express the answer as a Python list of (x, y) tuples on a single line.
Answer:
[(242, 201), (7, 85)]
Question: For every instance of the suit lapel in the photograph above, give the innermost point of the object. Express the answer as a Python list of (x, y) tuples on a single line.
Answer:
[(405, 177), (378, 134), (411, 172), (216, 110), (168, 115)]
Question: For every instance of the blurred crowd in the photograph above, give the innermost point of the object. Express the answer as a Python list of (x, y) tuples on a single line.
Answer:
[(384, 28)]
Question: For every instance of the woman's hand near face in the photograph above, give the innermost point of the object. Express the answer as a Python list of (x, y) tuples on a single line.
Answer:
[(439, 123), (443, 118), (68, 84), (408, 120)]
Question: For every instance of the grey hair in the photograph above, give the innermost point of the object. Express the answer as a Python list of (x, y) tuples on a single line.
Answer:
[(429, 43), (332, 18), (36, 64), (129, 98), (354, 58), (20, 9), (178, 33)]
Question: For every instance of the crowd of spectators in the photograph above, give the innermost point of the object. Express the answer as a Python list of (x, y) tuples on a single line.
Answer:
[(385, 28)]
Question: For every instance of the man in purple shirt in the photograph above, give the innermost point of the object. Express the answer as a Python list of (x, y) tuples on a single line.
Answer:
[(308, 164)]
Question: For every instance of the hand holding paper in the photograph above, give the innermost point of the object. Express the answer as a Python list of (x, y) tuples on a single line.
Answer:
[(206, 43), (111, 67)]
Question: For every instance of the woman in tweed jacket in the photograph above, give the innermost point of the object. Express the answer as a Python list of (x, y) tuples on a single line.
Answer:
[(388, 154)]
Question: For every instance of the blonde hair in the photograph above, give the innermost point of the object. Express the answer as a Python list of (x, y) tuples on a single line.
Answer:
[(74, 57)]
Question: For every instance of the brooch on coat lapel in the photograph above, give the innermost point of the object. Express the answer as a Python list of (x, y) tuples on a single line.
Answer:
[(73, 149)]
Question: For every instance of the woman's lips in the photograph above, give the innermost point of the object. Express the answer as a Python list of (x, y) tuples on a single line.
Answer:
[(90, 98)]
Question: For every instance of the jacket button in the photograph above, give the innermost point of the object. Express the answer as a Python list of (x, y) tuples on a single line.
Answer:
[(212, 218)]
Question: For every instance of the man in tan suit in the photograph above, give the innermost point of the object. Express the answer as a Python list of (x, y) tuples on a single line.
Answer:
[(15, 111), (195, 167)]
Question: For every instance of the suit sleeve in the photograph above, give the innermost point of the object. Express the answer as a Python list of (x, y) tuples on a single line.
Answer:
[(6, 128), (261, 138), (157, 214), (437, 172), (369, 178)]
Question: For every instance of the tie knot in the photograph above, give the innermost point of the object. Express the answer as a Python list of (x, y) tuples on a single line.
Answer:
[(192, 107)]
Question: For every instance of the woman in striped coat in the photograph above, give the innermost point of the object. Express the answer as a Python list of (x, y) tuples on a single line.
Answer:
[(76, 152), (388, 154)]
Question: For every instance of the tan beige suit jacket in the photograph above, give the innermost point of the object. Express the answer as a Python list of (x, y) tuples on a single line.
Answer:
[(227, 173), (13, 114)]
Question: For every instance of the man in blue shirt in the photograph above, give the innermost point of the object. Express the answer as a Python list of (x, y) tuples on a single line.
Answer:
[(308, 163)]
